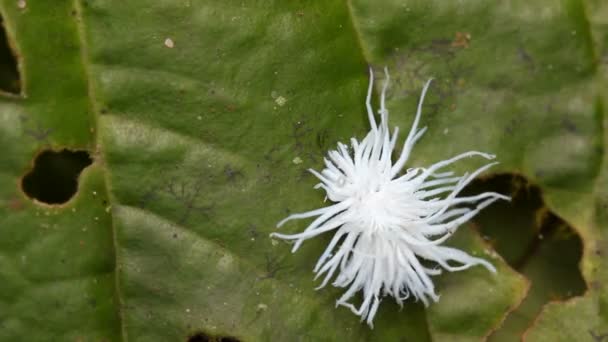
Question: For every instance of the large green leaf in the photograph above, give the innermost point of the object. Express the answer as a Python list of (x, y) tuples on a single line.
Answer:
[(202, 117)]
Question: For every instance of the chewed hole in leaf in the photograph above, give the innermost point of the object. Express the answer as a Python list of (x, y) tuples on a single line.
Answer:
[(54, 177), (535, 242), (10, 81), (202, 337), (228, 339)]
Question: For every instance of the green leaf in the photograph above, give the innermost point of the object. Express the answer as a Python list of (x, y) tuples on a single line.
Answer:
[(201, 119)]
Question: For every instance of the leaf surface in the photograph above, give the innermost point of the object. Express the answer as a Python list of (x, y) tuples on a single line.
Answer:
[(202, 118)]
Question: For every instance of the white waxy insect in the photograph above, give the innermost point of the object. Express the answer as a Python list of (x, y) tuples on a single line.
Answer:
[(386, 221)]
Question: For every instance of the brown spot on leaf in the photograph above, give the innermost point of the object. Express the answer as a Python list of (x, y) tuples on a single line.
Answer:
[(461, 40)]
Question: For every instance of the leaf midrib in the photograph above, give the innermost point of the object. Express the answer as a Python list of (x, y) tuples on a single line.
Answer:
[(99, 157)]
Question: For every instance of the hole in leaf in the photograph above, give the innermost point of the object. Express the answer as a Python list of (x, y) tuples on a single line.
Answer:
[(202, 337), (535, 242), (9, 73), (54, 178), (228, 339)]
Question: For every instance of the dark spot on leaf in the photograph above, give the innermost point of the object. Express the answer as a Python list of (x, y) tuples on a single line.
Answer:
[(202, 337), (231, 173), (598, 337), (39, 133), (568, 125), (187, 193), (10, 80), (513, 126), (322, 140), (148, 197), (252, 230), (54, 177), (273, 266), (229, 339), (525, 57)]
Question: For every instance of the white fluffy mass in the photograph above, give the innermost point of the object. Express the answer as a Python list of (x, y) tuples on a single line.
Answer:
[(386, 219)]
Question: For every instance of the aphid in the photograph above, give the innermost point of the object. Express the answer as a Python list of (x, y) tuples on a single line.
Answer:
[(386, 220)]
